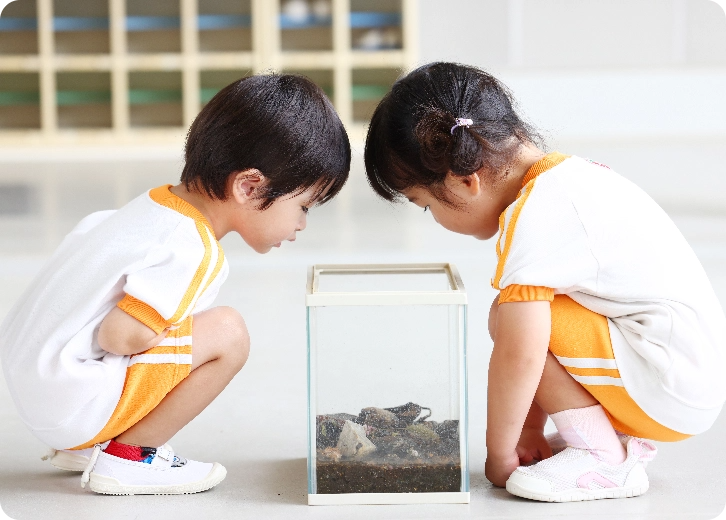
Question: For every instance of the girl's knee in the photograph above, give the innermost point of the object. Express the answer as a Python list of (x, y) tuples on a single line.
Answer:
[(493, 317)]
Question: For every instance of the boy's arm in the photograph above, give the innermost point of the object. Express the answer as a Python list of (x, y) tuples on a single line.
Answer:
[(515, 369), (124, 335)]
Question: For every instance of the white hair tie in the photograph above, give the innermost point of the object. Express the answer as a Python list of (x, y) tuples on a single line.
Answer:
[(460, 121)]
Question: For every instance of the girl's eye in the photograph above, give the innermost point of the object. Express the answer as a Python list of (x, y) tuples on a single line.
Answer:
[(426, 208), (305, 209)]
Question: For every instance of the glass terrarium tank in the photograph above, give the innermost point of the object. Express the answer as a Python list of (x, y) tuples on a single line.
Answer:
[(387, 404)]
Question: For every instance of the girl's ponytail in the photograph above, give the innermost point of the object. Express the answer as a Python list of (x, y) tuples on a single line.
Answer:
[(441, 118)]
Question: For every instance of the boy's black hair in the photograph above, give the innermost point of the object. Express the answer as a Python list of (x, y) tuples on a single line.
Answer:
[(410, 142), (281, 124)]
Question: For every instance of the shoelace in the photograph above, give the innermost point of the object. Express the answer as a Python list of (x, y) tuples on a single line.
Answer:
[(91, 463), (51, 453)]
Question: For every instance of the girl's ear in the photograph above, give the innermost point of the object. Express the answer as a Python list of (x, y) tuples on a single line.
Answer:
[(464, 186), (246, 184), (473, 183)]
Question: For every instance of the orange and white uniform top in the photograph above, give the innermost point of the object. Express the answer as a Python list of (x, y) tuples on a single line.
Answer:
[(579, 229), (158, 260)]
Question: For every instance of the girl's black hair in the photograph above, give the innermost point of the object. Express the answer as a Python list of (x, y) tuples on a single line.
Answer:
[(410, 142), (281, 124)]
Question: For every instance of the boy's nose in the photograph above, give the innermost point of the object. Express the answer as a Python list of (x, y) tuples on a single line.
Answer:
[(302, 224)]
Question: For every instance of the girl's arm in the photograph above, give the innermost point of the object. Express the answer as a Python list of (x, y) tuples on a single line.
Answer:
[(520, 350), (124, 335)]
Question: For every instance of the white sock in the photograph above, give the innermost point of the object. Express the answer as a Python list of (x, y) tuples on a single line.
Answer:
[(589, 429)]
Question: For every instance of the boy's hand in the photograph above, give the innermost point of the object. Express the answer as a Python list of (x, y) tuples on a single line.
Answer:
[(124, 335), (498, 468), (532, 446)]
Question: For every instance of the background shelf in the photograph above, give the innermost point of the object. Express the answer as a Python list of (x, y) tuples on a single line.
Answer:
[(155, 99), (19, 28), (369, 87), (224, 26), (143, 69), (19, 100), (212, 81), (153, 26), (83, 99), (81, 27)]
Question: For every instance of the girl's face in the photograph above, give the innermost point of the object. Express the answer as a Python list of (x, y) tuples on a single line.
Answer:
[(476, 211)]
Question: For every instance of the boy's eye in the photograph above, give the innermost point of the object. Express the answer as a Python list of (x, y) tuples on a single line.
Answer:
[(305, 209), (426, 208)]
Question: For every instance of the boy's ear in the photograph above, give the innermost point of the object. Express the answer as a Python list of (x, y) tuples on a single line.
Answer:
[(246, 184)]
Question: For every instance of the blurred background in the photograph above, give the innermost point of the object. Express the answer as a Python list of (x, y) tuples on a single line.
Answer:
[(96, 96)]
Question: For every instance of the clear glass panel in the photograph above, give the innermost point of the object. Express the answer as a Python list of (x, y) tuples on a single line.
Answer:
[(387, 399), (19, 28), (430, 280)]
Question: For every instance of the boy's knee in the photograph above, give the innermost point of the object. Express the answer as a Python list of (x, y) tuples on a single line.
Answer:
[(236, 337), (493, 317)]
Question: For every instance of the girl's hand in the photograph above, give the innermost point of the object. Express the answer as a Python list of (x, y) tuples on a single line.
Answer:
[(532, 446), (497, 469)]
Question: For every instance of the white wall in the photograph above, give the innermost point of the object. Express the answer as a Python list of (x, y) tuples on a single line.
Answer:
[(637, 84)]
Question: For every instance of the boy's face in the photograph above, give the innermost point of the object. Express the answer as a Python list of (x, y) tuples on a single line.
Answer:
[(264, 229)]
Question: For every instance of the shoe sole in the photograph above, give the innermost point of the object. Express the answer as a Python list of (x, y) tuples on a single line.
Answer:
[(69, 461), (111, 486), (578, 495)]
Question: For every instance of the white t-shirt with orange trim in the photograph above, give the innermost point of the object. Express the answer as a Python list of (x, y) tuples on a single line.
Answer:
[(580, 229), (156, 258)]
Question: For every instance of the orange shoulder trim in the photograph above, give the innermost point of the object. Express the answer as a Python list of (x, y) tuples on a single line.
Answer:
[(545, 163), (163, 196), (143, 312), (526, 293)]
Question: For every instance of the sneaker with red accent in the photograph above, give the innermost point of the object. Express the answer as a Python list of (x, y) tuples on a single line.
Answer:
[(73, 460), (575, 474), (160, 473)]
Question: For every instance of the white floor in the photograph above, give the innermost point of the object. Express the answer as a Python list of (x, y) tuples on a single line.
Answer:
[(257, 427)]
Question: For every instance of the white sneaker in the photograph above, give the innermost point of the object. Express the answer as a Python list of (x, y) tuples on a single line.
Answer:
[(575, 474), (73, 460), (165, 474)]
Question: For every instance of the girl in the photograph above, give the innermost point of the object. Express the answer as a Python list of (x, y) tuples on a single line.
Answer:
[(115, 340), (605, 320)]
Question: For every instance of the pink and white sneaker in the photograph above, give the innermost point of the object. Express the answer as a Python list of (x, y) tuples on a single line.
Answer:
[(162, 473), (575, 474)]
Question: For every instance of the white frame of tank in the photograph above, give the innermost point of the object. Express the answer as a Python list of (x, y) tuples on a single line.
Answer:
[(456, 295)]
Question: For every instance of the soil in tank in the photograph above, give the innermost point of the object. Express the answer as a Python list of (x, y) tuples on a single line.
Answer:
[(387, 450)]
